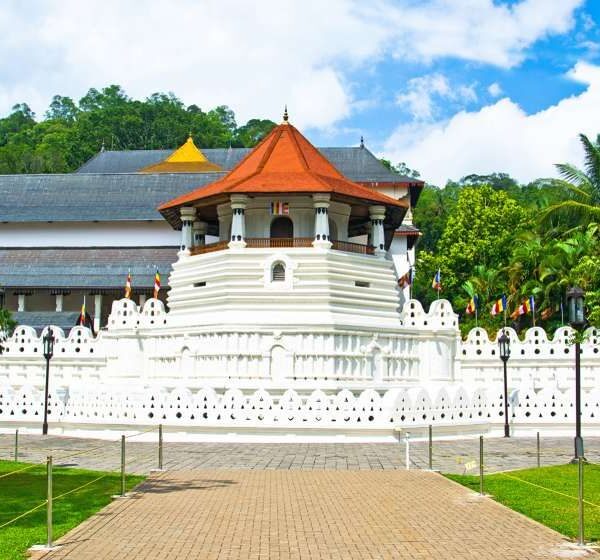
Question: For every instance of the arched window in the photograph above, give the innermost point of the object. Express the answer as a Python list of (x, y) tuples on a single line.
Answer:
[(282, 227), (278, 272)]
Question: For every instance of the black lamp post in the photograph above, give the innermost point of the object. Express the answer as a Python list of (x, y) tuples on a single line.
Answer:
[(575, 296), (48, 340), (504, 348)]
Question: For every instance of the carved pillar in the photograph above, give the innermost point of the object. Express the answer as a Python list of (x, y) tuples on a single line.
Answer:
[(321, 205), (187, 219), (377, 214), (238, 220), (199, 233), (59, 302)]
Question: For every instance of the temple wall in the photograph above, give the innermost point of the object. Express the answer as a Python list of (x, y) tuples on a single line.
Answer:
[(89, 234), (143, 370)]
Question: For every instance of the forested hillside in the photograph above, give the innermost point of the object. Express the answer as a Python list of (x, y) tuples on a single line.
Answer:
[(71, 132)]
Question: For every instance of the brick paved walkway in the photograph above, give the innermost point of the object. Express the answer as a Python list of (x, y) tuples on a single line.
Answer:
[(294, 514), (449, 456)]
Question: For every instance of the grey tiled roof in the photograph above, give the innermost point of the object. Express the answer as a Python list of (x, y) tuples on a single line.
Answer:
[(107, 188), (87, 197), (358, 164), (97, 267), (40, 319)]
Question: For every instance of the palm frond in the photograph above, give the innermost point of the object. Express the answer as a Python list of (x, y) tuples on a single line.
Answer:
[(592, 163), (574, 177)]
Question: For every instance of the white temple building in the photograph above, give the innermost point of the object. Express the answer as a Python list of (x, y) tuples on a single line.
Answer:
[(285, 317)]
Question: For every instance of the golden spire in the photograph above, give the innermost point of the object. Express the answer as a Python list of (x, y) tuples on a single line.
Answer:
[(185, 159)]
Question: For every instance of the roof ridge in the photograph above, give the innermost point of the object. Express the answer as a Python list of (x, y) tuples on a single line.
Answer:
[(276, 135), (298, 150)]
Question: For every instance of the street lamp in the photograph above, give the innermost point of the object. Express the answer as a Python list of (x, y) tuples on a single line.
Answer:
[(575, 296), (504, 348), (48, 340)]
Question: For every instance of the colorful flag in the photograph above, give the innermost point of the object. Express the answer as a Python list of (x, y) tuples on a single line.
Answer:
[(280, 208), (526, 306), (499, 306), (156, 284), (436, 284), (547, 313), (128, 286), (82, 316), (406, 279), (472, 306)]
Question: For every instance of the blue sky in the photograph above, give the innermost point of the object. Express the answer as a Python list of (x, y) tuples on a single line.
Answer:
[(450, 87)]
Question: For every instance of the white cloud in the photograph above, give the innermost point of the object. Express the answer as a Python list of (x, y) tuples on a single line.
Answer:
[(502, 137), (252, 56), (424, 92), (494, 89)]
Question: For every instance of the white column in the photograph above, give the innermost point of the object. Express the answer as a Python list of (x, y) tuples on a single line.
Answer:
[(199, 233), (377, 214), (97, 312), (142, 300), (59, 302), (187, 219), (21, 302), (321, 205), (238, 220)]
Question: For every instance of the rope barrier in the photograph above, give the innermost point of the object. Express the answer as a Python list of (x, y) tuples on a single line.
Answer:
[(21, 470), (24, 514), (547, 489), (141, 433), (80, 487)]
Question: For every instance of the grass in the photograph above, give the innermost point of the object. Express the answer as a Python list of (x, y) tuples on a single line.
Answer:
[(25, 490), (557, 511)]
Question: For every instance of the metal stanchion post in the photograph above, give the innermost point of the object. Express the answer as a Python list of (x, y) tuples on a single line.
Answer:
[(430, 447), (49, 502), (580, 461), (122, 466), (17, 445), (538, 449), (160, 447), (407, 450), (481, 465)]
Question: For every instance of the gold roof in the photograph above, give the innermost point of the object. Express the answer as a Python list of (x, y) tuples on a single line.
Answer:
[(185, 159)]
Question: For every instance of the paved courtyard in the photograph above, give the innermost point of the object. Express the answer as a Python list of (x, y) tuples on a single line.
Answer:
[(448, 456), (319, 514)]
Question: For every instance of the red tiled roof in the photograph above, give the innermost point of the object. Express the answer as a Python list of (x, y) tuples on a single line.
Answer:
[(284, 162)]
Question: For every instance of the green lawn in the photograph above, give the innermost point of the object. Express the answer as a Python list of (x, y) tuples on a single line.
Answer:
[(23, 491), (554, 510)]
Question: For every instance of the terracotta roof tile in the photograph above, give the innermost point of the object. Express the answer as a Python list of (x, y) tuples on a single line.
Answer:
[(284, 162)]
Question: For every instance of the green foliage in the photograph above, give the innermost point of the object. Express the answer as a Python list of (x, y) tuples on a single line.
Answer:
[(7, 325), (72, 132), (502, 238), (548, 495), (23, 491)]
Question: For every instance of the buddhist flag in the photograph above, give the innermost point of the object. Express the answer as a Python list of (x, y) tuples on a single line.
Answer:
[(156, 284), (406, 280), (128, 286), (499, 306), (472, 306), (82, 316), (527, 306), (547, 313), (279, 208), (436, 283)]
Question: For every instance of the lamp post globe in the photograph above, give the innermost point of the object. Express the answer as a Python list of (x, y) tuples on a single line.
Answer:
[(48, 341), (575, 305), (504, 350)]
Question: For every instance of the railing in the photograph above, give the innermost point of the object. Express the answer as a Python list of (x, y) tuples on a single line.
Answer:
[(260, 242), (351, 247), (218, 246), (281, 242)]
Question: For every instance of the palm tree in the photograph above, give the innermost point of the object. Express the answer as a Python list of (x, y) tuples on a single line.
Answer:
[(582, 188)]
